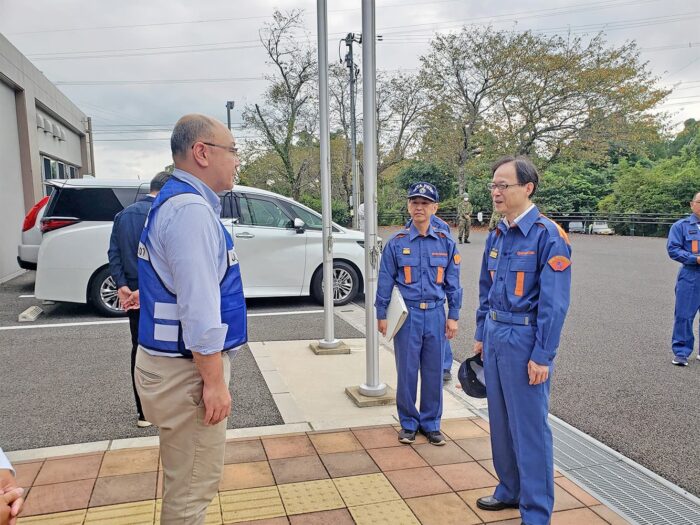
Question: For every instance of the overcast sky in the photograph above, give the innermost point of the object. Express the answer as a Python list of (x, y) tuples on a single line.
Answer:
[(196, 43)]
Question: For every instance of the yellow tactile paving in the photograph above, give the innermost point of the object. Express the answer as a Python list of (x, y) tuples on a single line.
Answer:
[(139, 513), (213, 516), (310, 496), (386, 513), (251, 504), (363, 490), (74, 517)]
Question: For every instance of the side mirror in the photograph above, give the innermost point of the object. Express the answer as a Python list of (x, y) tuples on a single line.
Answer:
[(299, 225)]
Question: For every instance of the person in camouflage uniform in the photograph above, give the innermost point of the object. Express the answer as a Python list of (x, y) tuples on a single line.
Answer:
[(464, 216)]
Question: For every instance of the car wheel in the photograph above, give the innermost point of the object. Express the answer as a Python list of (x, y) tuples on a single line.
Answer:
[(346, 284), (103, 294)]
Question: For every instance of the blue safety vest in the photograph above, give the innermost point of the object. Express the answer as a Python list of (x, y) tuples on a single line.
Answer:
[(159, 326)]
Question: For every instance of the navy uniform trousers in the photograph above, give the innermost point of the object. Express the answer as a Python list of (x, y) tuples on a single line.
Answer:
[(526, 476), (419, 345)]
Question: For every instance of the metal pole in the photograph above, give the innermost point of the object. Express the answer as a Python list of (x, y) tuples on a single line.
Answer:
[(372, 387), (353, 139), (329, 340), (92, 146)]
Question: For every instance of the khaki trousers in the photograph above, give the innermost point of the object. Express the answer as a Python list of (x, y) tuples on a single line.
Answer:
[(191, 452)]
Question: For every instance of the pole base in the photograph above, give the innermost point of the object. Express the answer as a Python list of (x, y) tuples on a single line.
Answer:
[(335, 347), (387, 397), (373, 391)]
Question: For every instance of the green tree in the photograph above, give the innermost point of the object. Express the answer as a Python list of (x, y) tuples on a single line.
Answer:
[(423, 171), (288, 114), (664, 187)]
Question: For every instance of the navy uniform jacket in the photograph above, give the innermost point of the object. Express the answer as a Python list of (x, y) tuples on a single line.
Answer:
[(683, 241), (426, 269), (526, 269), (124, 243)]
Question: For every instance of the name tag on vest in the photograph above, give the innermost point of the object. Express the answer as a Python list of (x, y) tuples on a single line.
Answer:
[(142, 252), (232, 258)]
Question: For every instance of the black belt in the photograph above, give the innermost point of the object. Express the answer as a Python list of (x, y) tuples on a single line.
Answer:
[(424, 305), (511, 318)]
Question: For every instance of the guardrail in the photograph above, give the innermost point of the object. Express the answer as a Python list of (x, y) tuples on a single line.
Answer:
[(638, 224)]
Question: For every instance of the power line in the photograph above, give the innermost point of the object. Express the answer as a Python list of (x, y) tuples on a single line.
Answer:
[(179, 49), (238, 18), (151, 53), (155, 81)]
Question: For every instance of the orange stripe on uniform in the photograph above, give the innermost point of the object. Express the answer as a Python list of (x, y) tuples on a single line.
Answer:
[(493, 273), (563, 234), (694, 246), (440, 275), (407, 274), (519, 283)]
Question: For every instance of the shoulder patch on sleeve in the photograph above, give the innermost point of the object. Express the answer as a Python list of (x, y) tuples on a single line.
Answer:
[(559, 263), (457, 258)]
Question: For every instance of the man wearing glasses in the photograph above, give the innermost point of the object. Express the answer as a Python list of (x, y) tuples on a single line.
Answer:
[(192, 314), (682, 246), (523, 299)]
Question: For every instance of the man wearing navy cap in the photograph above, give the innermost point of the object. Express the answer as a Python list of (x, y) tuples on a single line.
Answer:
[(423, 262)]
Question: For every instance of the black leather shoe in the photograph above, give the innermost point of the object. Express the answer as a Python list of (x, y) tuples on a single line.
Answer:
[(491, 503), (446, 376)]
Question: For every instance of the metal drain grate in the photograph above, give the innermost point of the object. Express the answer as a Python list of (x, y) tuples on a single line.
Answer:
[(572, 451), (632, 491), (636, 495)]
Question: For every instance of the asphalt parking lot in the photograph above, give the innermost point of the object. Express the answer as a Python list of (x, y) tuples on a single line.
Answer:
[(71, 384), (613, 377)]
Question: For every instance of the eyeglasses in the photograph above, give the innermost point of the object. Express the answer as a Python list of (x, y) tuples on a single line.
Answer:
[(231, 149), (503, 187)]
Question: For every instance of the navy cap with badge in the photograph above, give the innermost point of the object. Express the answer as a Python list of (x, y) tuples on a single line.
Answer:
[(471, 377), (425, 190)]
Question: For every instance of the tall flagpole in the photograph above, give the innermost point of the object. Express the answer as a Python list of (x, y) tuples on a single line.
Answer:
[(329, 341), (372, 387)]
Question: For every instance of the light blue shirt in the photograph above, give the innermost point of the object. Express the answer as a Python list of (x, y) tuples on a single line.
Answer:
[(188, 252), (4, 462)]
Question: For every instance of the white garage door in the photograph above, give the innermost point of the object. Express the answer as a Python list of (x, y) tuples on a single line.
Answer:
[(11, 195)]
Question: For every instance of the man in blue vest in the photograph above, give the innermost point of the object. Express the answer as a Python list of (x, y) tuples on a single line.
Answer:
[(524, 290), (192, 314), (123, 265), (423, 262), (682, 246)]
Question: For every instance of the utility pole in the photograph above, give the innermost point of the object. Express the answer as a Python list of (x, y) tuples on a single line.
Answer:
[(92, 146), (229, 107), (353, 70)]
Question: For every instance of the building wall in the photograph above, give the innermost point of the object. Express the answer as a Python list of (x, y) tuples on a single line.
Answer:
[(11, 203), (28, 101), (57, 141)]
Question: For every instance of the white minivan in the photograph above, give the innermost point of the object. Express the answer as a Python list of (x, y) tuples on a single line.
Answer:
[(278, 242)]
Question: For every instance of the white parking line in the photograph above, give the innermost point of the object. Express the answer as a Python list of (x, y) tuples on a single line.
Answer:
[(26, 296), (300, 312), (118, 321)]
